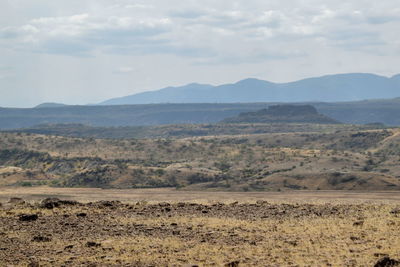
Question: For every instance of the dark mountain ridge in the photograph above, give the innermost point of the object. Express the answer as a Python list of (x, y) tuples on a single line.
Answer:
[(329, 88)]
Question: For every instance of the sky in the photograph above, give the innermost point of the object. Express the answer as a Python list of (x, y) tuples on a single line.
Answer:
[(87, 51)]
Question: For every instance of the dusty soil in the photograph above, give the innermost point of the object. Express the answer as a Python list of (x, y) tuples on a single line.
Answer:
[(173, 195), (110, 233)]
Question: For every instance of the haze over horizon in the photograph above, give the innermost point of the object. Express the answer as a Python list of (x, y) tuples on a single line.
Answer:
[(87, 51)]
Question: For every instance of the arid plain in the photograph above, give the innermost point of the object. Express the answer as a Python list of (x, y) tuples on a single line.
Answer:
[(164, 227), (321, 196)]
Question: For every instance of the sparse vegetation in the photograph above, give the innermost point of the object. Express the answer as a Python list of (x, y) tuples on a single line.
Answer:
[(257, 233), (333, 157)]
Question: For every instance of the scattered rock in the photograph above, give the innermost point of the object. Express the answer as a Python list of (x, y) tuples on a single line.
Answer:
[(28, 217), (262, 202), (16, 200), (358, 223), (387, 262), (381, 255), (232, 264), (41, 239), (33, 264), (292, 242), (167, 209), (176, 232), (395, 211), (91, 244), (106, 203), (81, 214), (354, 238), (51, 203), (69, 247)]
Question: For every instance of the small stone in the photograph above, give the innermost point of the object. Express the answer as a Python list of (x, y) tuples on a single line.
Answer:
[(16, 200), (395, 211), (167, 209), (33, 264), (41, 239), (51, 203), (176, 232), (387, 262), (232, 264), (28, 217), (91, 244)]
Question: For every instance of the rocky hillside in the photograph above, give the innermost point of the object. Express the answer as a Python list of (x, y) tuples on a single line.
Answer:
[(331, 160)]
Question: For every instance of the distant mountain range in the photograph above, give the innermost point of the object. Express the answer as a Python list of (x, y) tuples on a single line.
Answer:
[(330, 88)]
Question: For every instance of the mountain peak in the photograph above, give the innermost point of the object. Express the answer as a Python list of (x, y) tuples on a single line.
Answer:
[(251, 81), (50, 105), (195, 85)]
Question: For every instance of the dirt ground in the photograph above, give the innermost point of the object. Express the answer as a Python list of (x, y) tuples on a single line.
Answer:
[(171, 228), (173, 195)]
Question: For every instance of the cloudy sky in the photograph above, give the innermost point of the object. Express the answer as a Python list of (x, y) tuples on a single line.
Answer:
[(86, 51)]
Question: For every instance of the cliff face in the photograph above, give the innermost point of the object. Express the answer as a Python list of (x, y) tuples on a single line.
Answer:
[(283, 114)]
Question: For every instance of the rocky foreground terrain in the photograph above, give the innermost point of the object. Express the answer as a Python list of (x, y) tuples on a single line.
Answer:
[(56, 232)]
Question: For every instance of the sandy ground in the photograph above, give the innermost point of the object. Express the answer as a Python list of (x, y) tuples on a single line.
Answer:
[(172, 195)]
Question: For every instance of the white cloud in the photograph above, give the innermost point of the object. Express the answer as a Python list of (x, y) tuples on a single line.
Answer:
[(124, 70), (83, 33), (141, 6), (6, 72), (197, 31), (174, 42)]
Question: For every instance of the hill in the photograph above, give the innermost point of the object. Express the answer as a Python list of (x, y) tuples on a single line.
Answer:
[(330, 88), (329, 160), (361, 112), (283, 114)]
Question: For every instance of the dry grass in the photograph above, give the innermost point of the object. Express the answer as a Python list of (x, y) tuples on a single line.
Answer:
[(323, 232)]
